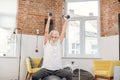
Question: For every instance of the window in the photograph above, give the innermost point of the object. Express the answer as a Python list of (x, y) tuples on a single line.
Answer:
[(8, 10), (82, 36)]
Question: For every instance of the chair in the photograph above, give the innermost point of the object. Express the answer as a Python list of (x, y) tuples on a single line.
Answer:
[(105, 68), (30, 68)]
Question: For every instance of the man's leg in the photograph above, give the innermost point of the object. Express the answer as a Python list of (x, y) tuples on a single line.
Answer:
[(42, 73), (64, 74)]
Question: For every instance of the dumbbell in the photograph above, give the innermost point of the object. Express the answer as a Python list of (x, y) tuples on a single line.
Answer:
[(66, 16), (49, 14)]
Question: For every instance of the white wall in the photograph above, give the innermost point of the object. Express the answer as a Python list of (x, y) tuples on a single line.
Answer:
[(109, 48), (28, 49), (9, 66)]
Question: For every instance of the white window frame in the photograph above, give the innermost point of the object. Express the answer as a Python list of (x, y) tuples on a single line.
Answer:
[(10, 29), (82, 34)]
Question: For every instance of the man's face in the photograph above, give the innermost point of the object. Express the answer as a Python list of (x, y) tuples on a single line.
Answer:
[(54, 37)]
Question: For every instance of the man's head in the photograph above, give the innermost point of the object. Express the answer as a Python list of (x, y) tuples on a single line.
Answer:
[(54, 35)]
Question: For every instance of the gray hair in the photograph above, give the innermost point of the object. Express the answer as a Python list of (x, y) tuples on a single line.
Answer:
[(54, 32)]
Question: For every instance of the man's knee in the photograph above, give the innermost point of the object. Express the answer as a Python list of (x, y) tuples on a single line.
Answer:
[(34, 77), (40, 74), (68, 72), (69, 75)]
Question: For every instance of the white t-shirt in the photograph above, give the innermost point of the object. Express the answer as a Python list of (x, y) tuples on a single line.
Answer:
[(52, 59)]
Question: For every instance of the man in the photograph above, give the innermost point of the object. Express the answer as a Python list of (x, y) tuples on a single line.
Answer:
[(52, 59)]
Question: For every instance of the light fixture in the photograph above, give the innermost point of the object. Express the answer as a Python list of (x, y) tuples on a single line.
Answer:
[(37, 34)]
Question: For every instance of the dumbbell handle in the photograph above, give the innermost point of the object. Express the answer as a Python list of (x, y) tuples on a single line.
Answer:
[(67, 16), (49, 14)]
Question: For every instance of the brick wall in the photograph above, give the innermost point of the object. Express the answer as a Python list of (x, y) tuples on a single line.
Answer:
[(32, 14), (109, 17)]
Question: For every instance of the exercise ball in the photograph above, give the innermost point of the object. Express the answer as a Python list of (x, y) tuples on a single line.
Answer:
[(52, 77)]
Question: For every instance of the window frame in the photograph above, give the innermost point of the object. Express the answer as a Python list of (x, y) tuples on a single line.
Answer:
[(10, 32), (82, 34)]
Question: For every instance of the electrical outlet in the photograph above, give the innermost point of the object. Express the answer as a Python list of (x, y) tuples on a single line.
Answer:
[(72, 62)]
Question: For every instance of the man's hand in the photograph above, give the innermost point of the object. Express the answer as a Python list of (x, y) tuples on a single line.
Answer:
[(66, 17), (49, 15)]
